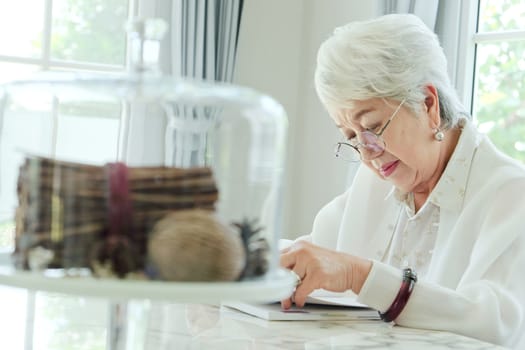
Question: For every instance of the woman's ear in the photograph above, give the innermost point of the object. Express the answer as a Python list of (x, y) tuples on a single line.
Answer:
[(432, 105)]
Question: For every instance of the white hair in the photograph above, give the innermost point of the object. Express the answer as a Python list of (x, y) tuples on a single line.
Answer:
[(393, 56)]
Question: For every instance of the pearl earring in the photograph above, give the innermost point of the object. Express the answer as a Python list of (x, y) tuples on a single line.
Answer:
[(439, 135)]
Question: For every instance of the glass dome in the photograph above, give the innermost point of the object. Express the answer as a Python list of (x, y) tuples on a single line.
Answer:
[(96, 166)]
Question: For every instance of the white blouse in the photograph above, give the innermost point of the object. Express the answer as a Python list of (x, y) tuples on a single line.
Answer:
[(467, 243), (414, 236)]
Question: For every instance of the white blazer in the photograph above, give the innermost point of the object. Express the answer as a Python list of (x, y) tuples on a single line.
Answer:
[(475, 284)]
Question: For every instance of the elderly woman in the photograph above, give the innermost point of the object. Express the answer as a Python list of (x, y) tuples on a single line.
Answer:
[(432, 231)]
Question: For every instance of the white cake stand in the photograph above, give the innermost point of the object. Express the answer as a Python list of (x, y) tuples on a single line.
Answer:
[(275, 286), (122, 294)]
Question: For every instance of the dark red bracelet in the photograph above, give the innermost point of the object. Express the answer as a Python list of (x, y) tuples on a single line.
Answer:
[(409, 280)]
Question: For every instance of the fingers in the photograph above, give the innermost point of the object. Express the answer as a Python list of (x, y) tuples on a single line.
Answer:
[(286, 304), (319, 267), (300, 294), (304, 287), (292, 262), (287, 259), (307, 286), (293, 258)]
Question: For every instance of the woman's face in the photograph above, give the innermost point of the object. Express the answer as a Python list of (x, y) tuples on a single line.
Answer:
[(412, 159)]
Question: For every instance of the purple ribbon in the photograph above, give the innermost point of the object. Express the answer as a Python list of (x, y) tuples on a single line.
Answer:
[(119, 201)]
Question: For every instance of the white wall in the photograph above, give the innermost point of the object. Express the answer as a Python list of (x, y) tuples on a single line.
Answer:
[(276, 55)]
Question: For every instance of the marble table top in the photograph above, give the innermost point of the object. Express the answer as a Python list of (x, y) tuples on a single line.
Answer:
[(211, 327), (35, 321)]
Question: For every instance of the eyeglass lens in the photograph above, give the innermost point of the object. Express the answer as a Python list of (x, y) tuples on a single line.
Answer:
[(369, 147)]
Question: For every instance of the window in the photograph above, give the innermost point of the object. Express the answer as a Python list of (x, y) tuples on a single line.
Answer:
[(499, 86), (60, 35)]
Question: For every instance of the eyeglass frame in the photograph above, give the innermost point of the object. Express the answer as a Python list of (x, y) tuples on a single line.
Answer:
[(378, 136)]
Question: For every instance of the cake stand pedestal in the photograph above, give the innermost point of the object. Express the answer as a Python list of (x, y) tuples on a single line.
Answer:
[(131, 299)]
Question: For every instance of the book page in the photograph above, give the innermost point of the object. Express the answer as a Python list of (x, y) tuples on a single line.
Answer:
[(324, 297), (320, 305), (274, 312)]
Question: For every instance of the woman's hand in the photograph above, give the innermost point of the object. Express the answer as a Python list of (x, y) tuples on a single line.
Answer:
[(319, 267)]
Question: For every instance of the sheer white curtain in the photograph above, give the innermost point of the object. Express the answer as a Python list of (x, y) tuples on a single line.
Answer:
[(455, 26)]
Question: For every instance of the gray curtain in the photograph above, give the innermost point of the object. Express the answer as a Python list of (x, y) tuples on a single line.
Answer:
[(202, 39), (427, 10), (201, 43)]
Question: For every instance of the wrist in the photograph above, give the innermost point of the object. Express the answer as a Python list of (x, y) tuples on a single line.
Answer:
[(399, 303)]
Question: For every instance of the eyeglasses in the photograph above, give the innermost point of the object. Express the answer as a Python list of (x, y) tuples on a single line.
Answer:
[(366, 145)]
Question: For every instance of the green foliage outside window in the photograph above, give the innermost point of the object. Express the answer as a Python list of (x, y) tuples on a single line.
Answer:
[(7, 229), (500, 95), (89, 31), (70, 322)]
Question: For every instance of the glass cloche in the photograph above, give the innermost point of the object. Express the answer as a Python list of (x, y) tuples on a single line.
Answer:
[(141, 178)]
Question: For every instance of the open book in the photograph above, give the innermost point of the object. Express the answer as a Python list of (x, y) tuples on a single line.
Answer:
[(320, 305)]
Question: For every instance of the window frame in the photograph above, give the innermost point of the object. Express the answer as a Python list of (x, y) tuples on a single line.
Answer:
[(466, 52), (468, 40), (136, 8), (45, 62)]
